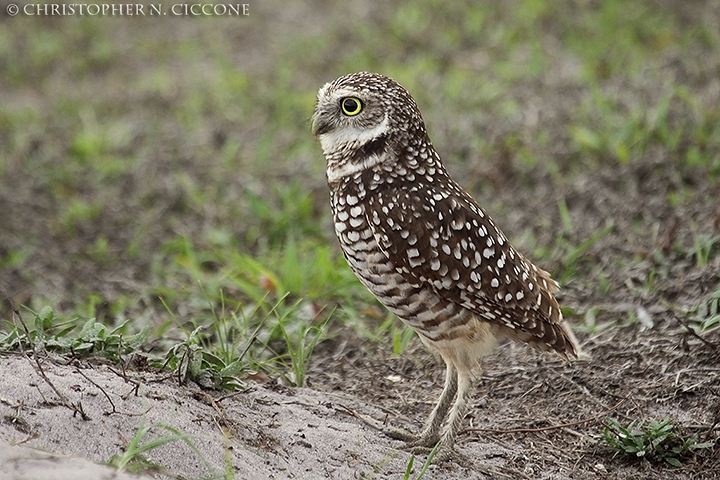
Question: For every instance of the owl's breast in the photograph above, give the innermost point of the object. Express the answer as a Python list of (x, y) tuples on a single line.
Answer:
[(355, 233)]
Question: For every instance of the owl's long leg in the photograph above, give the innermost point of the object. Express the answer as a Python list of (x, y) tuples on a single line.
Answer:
[(464, 394), (431, 433)]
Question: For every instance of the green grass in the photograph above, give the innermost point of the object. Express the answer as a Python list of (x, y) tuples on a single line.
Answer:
[(705, 316), (423, 469), (300, 340), (589, 323), (196, 181), (195, 360), (133, 458)]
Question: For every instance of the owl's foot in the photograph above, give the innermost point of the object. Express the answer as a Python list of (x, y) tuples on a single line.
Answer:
[(425, 440), (424, 444)]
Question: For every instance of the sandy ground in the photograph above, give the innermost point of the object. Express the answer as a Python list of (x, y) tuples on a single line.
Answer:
[(261, 432), (22, 463)]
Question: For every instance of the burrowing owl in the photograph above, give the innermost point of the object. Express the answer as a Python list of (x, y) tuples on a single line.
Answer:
[(423, 246)]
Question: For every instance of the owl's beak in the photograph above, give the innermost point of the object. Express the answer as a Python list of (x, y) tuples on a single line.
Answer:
[(320, 124)]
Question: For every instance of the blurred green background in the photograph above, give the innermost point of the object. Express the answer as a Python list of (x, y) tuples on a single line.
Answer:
[(160, 171)]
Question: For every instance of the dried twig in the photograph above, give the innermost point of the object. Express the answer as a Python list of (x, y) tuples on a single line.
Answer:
[(353, 413), (77, 370), (76, 408), (689, 329), (230, 395), (692, 332), (135, 384)]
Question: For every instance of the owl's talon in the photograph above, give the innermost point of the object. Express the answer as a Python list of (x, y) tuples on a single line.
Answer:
[(420, 450), (446, 454), (400, 434)]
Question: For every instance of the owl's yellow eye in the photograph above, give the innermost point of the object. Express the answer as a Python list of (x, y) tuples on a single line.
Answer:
[(351, 106)]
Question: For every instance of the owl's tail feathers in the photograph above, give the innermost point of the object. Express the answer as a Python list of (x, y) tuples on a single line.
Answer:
[(567, 345)]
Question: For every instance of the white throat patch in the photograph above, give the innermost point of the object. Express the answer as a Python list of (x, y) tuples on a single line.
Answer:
[(333, 141), (336, 172)]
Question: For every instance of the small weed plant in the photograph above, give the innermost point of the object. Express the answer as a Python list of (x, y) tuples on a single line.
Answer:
[(590, 324), (50, 332), (651, 441), (191, 361)]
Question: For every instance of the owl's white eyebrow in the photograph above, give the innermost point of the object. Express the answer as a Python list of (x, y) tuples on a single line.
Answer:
[(345, 92)]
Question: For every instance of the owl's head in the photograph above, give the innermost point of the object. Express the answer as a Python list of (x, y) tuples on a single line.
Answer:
[(361, 110)]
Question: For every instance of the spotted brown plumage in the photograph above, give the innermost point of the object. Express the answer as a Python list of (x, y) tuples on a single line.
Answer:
[(423, 246)]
